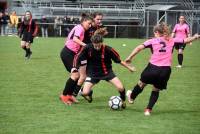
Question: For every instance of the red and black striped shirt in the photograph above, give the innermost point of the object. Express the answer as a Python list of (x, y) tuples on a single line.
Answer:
[(99, 62)]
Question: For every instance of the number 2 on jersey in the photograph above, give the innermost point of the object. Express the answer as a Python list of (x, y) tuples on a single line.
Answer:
[(162, 49)]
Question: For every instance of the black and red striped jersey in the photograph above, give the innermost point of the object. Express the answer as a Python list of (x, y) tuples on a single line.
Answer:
[(31, 27), (88, 34), (99, 62)]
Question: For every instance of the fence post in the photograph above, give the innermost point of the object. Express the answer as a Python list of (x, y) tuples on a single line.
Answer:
[(115, 32)]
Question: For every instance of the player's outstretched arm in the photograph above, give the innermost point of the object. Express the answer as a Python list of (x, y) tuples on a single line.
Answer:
[(129, 67), (190, 39), (133, 53)]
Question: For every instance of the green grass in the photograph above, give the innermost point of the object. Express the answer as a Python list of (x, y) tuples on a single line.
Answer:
[(29, 93)]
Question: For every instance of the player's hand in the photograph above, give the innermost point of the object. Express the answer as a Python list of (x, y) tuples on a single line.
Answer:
[(128, 61), (132, 69), (190, 43), (197, 36)]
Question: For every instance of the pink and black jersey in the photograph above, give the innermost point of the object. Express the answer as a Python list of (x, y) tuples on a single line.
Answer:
[(161, 51), (181, 32), (77, 31)]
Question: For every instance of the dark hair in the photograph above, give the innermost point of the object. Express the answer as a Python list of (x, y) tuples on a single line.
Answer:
[(97, 38), (96, 14), (85, 17)]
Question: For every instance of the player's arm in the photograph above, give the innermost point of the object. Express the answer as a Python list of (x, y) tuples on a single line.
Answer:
[(174, 32), (134, 53), (190, 39), (130, 68), (78, 41), (35, 29), (116, 58)]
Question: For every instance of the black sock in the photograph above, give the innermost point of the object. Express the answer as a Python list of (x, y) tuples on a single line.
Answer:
[(28, 50), (76, 90), (122, 95), (180, 59), (153, 98), (136, 91), (24, 48), (69, 87)]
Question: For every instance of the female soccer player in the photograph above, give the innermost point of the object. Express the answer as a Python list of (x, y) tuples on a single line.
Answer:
[(98, 58), (69, 54), (28, 30), (158, 70), (96, 25), (180, 31)]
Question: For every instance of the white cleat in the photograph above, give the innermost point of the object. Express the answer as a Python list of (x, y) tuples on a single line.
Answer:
[(178, 66), (128, 94), (147, 112)]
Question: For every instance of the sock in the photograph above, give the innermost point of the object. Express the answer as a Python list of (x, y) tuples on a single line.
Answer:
[(136, 91), (153, 98), (122, 95), (180, 59), (76, 90), (28, 50), (24, 48), (69, 87)]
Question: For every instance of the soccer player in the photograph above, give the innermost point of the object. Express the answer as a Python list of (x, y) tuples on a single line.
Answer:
[(98, 58), (157, 72), (28, 30), (96, 25), (69, 53), (180, 31)]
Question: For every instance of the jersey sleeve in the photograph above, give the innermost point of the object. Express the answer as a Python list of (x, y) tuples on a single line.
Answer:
[(114, 55), (148, 43), (187, 29), (79, 31), (174, 30)]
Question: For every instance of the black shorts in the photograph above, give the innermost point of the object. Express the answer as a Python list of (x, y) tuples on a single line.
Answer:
[(95, 80), (67, 57), (155, 75), (27, 37), (179, 46)]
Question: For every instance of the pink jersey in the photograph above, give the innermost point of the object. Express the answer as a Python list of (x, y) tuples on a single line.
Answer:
[(181, 32), (77, 31), (161, 51)]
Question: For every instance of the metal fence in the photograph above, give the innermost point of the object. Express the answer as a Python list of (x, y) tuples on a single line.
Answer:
[(115, 31)]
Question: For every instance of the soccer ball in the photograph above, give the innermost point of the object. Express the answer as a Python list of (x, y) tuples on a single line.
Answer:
[(115, 102)]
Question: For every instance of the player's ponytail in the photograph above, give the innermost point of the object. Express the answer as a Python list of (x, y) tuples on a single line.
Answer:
[(163, 29)]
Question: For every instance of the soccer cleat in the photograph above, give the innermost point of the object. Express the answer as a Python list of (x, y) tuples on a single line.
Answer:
[(65, 99), (178, 66), (128, 94), (73, 99), (123, 104), (147, 112)]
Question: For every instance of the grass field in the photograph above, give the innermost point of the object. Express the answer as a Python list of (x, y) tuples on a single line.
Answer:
[(29, 93)]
